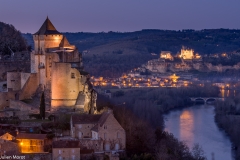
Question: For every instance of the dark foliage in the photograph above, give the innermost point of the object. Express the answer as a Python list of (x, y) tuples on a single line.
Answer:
[(11, 38), (42, 106), (227, 118)]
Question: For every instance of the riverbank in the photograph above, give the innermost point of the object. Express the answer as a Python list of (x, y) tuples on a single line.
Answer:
[(196, 124), (228, 119)]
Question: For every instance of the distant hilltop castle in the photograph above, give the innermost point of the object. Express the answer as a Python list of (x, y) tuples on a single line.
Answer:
[(56, 69)]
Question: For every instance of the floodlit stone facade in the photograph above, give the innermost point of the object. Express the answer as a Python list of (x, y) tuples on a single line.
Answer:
[(166, 55), (60, 70), (56, 69), (186, 54)]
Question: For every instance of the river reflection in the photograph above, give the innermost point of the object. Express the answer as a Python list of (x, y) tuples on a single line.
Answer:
[(186, 125), (196, 125)]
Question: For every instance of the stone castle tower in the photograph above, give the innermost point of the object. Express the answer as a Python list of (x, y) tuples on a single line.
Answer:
[(59, 67)]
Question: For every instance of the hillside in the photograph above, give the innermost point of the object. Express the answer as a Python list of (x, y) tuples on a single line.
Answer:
[(111, 54), (10, 38)]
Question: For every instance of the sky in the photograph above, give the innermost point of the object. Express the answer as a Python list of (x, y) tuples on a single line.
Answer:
[(121, 15)]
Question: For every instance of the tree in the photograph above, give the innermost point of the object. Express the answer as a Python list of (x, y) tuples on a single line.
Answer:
[(42, 107), (198, 152)]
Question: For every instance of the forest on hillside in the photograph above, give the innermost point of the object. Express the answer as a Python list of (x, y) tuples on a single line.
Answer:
[(11, 38), (113, 53)]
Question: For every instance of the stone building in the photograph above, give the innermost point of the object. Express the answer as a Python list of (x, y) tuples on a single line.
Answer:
[(166, 55), (32, 143), (57, 70), (8, 148), (98, 132), (7, 136), (60, 69), (187, 54), (66, 150)]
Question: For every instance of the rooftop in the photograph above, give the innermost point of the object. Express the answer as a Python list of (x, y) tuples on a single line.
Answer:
[(90, 119), (47, 28), (66, 144), (31, 136)]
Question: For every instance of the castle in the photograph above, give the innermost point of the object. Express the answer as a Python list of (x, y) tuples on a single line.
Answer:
[(56, 69)]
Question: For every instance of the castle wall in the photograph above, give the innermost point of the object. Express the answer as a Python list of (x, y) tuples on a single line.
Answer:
[(3, 100), (14, 81), (19, 105), (34, 68), (50, 58), (29, 87), (65, 86), (187, 54), (46, 41), (24, 78)]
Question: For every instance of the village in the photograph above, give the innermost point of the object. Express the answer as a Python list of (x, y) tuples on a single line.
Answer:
[(165, 72), (49, 111)]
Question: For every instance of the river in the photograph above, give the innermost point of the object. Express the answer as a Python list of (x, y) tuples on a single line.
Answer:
[(196, 125)]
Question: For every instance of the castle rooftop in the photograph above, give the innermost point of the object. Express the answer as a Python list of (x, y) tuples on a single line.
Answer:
[(47, 28)]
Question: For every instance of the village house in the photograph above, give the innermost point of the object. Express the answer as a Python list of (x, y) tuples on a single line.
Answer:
[(66, 149), (7, 136), (99, 132), (8, 148), (32, 143)]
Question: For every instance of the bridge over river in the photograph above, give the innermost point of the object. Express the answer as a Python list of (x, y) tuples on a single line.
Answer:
[(206, 99)]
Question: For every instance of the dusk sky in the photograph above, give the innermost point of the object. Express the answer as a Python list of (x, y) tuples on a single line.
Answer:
[(122, 15)]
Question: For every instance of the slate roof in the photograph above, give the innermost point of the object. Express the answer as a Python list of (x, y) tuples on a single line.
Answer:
[(47, 28), (101, 121), (103, 118), (85, 118), (95, 128), (31, 136), (13, 133), (65, 144), (98, 119)]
